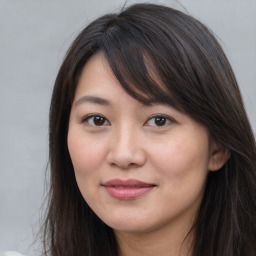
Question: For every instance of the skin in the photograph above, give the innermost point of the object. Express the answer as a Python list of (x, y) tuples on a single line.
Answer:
[(129, 143)]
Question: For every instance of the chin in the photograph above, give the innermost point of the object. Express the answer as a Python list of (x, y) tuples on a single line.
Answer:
[(129, 226)]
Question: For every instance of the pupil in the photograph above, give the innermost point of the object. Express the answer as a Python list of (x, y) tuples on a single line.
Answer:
[(98, 120), (160, 121)]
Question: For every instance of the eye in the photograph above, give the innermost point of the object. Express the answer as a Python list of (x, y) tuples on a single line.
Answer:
[(159, 121), (95, 120)]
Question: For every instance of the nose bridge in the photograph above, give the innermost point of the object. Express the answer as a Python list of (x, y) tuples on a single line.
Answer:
[(126, 149)]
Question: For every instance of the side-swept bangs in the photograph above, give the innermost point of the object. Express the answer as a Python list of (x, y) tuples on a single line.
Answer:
[(159, 54), (171, 58)]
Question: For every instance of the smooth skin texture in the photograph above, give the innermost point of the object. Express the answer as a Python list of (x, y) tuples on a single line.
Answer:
[(113, 136)]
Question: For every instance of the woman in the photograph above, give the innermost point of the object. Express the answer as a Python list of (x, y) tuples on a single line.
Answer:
[(151, 151)]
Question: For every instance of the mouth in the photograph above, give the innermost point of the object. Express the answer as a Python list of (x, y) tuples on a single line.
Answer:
[(127, 189)]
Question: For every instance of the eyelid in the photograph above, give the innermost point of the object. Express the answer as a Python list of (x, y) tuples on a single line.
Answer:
[(87, 117), (170, 120)]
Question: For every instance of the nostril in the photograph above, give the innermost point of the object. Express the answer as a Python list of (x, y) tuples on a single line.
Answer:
[(126, 160), (123, 165)]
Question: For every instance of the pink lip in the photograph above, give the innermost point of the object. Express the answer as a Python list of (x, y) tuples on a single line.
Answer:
[(127, 189)]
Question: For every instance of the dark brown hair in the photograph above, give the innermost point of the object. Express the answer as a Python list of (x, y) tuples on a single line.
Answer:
[(195, 77)]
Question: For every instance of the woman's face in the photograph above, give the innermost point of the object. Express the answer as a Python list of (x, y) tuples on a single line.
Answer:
[(140, 168)]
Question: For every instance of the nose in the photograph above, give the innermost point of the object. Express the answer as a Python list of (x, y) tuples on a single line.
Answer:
[(126, 149)]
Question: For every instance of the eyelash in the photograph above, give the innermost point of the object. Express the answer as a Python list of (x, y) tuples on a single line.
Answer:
[(93, 116), (166, 120)]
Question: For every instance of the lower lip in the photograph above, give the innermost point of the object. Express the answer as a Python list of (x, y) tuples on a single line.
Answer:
[(128, 193)]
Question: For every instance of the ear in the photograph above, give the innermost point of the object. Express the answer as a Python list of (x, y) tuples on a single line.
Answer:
[(219, 156)]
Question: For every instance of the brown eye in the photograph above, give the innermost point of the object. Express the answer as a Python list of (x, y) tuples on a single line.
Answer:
[(98, 120), (95, 120), (159, 121)]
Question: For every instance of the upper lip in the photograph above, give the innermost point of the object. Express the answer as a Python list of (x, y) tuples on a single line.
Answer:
[(127, 183)]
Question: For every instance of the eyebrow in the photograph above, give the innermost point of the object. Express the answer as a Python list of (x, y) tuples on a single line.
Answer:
[(92, 99)]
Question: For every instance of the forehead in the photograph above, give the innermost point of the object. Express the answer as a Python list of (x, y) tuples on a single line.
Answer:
[(144, 86), (96, 77), (99, 87)]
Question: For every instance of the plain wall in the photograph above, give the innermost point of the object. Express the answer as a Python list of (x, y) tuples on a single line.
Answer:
[(34, 36)]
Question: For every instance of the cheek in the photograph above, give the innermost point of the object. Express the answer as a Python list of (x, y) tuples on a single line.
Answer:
[(87, 158), (182, 158), (182, 166), (86, 155)]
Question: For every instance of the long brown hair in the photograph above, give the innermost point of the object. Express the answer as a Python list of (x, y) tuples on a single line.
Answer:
[(195, 77)]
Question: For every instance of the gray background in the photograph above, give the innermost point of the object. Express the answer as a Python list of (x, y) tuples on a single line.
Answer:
[(34, 36)]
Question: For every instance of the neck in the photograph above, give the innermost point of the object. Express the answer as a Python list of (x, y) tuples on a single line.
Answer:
[(165, 242)]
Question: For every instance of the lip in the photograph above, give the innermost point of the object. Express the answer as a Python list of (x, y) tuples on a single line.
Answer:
[(127, 189)]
